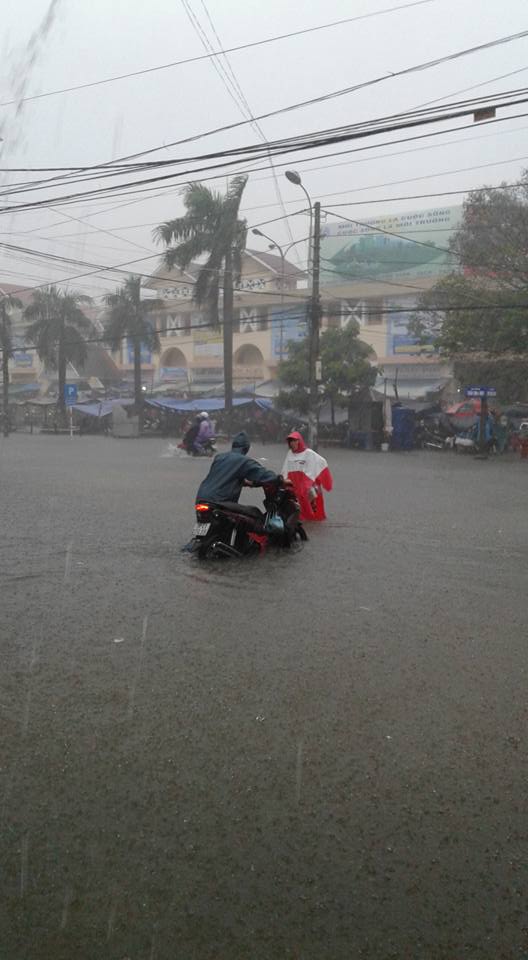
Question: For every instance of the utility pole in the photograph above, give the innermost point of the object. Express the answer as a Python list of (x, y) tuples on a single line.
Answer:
[(315, 320), (228, 337), (5, 375), (314, 260), (283, 251), (483, 445)]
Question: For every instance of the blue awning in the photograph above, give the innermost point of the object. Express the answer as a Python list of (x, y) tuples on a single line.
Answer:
[(209, 404), (100, 409)]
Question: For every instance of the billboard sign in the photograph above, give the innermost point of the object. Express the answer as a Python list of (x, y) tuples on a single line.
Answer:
[(208, 343), (21, 358), (146, 356), (386, 247), (287, 325), (170, 374), (399, 340)]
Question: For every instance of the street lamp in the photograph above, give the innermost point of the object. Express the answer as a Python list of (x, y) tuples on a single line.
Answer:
[(283, 251), (295, 178), (315, 305)]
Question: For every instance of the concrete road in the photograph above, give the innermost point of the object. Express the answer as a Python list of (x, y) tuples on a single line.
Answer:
[(309, 757)]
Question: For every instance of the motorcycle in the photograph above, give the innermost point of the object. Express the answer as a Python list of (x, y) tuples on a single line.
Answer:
[(432, 440), (208, 448), (234, 530)]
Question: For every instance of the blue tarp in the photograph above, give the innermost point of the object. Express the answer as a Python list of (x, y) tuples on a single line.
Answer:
[(101, 408), (104, 407), (208, 404)]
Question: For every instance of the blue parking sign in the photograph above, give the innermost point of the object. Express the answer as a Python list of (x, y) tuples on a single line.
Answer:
[(70, 394)]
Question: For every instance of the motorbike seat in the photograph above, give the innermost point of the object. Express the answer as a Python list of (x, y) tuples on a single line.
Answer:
[(245, 509)]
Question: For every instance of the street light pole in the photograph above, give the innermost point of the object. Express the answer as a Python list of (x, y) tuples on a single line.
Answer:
[(314, 362), (315, 321), (283, 252)]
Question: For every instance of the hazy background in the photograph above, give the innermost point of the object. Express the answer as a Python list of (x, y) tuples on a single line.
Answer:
[(85, 42)]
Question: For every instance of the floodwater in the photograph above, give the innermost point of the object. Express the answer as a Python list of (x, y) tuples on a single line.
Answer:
[(313, 756)]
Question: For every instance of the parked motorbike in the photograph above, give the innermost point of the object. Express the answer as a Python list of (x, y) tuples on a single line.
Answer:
[(436, 441), (208, 448), (236, 530)]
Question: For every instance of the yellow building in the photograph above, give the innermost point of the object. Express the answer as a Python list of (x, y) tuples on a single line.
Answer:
[(270, 308)]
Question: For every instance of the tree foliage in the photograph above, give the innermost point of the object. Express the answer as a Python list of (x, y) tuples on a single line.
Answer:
[(482, 305), (58, 329), (345, 369), (7, 305), (130, 317), (210, 227), (58, 326)]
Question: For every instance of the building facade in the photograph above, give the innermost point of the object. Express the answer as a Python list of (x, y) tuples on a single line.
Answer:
[(375, 271), (270, 309)]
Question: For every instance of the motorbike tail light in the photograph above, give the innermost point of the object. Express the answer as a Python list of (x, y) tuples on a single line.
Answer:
[(201, 507)]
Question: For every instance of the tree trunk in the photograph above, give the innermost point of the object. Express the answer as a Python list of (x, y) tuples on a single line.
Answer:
[(5, 386), (61, 372), (332, 409), (138, 392), (228, 337)]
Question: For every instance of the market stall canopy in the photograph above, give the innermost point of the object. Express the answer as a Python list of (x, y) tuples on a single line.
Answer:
[(209, 404), (100, 409)]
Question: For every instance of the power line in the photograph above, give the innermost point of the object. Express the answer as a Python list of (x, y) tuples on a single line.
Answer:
[(246, 110), (428, 196), (278, 147), (468, 51), (243, 46), (402, 153), (290, 144), (301, 316)]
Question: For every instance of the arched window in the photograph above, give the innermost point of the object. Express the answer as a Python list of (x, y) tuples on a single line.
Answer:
[(249, 356)]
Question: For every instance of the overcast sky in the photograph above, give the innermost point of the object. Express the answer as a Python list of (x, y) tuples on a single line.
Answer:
[(89, 41)]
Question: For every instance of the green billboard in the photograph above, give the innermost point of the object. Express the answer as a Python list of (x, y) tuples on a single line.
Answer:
[(393, 246)]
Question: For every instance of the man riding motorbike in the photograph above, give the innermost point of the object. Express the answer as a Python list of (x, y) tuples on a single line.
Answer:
[(231, 471)]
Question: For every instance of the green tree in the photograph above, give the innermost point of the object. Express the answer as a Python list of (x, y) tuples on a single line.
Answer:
[(58, 330), (7, 305), (482, 305), (211, 227), (345, 368), (130, 318)]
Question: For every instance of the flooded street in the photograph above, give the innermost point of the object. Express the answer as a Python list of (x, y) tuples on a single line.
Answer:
[(303, 757)]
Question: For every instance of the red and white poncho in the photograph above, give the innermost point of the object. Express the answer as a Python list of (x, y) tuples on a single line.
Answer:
[(307, 469)]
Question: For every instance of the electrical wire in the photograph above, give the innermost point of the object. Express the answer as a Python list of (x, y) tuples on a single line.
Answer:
[(301, 316), (278, 146), (243, 46), (415, 68), (232, 85)]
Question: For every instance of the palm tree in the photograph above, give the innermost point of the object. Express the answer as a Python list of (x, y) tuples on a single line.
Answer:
[(7, 305), (211, 226), (58, 331), (129, 318)]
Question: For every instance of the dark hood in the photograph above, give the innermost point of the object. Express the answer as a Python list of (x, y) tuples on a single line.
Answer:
[(241, 442)]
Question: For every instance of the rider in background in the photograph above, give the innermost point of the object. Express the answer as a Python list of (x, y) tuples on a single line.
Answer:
[(205, 432)]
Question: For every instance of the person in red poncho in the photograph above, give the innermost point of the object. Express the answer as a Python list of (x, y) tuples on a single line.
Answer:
[(309, 473)]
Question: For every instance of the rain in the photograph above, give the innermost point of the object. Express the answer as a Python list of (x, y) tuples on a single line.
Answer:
[(263, 445)]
